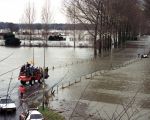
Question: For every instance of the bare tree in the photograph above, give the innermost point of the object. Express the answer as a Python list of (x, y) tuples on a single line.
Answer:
[(104, 18), (147, 13), (126, 24), (29, 17), (46, 19), (147, 8), (88, 13)]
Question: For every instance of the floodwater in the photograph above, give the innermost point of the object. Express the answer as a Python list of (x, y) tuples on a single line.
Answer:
[(120, 93), (12, 58), (70, 64)]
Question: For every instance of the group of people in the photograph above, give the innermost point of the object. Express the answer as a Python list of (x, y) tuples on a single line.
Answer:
[(30, 71)]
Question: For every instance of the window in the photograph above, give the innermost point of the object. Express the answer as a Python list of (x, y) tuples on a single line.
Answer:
[(36, 116), (3, 101)]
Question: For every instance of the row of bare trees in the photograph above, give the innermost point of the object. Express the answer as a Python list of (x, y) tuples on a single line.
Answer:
[(30, 16), (45, 18), (121, 19)]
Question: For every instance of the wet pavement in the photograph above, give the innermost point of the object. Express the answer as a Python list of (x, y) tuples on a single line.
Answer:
[(89, 97), (120, 93), (104, 94)]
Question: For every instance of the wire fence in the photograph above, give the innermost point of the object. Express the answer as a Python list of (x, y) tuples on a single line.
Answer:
[(64, 84), (37, 95), (90, 76)]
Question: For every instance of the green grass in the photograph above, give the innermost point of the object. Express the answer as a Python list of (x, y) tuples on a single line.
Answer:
[(50, 114)]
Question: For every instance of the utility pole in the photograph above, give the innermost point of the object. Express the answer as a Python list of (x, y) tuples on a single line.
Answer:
[(5, 117), (45, 19), (33, 56), (43, 82), (74, 21)]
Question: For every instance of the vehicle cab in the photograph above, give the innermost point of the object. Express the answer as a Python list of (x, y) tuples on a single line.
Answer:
[(31, 74)]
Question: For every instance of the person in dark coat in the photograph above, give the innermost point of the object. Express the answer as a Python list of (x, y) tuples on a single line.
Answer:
[(28, 64), (46, 73), (22, 69)]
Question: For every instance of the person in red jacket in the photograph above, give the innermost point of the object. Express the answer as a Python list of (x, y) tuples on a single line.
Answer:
[(22, 90)]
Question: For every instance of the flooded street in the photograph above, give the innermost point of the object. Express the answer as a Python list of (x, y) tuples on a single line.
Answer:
[(57, 57), (127, 76), (120, 93)]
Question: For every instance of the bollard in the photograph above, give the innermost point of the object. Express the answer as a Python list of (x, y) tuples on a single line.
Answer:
[(57, 88), (53, 68), (80, 78), (69, 83), (91, 75), (62, 86)]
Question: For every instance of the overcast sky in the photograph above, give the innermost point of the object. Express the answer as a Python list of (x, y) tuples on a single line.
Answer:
[(13, 10)]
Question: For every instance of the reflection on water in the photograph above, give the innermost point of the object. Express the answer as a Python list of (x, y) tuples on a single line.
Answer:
[(111, 88), (54, 56), (110, 93)]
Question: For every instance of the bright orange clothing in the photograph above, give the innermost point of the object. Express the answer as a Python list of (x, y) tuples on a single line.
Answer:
[(22, 89)]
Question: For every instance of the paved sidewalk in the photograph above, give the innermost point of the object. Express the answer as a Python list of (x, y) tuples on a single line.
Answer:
[(108, 93), (101, 96)]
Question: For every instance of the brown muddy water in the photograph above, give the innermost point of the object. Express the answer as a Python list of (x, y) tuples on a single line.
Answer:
[(118, 94), (104, 96)]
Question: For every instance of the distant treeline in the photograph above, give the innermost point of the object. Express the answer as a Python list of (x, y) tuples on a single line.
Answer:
[(38, 26)]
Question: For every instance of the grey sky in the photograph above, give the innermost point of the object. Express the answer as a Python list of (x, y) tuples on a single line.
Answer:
[(13, 10)]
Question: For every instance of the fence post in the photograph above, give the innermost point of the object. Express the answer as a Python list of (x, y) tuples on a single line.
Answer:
[(57, 88)]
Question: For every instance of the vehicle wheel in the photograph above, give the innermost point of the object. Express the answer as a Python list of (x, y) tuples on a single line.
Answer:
[(31, 82), (40, 81), (23, 82)]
